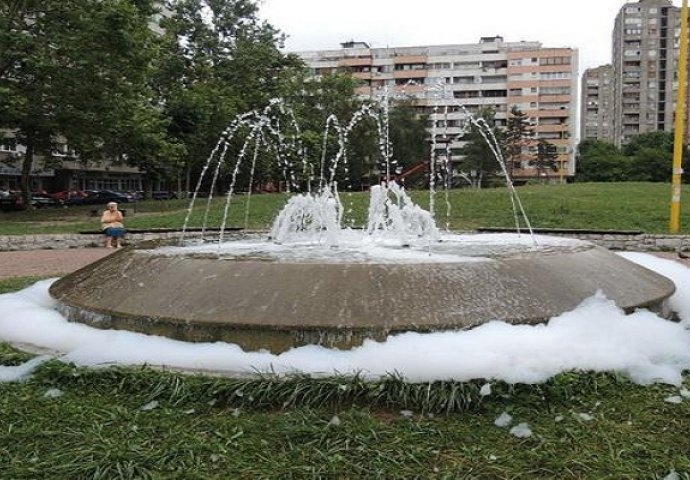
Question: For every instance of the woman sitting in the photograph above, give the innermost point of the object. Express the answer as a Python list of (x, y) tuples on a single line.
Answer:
[(111, 224)]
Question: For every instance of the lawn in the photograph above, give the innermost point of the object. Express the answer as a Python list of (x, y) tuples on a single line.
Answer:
[(137, 423), (599, 206)]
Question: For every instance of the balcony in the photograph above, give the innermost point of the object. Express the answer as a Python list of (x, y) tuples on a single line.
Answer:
[(362, 75), (555, 98), (355, 62), (410, 74), (410, 89), (552, 128), (401, 59)]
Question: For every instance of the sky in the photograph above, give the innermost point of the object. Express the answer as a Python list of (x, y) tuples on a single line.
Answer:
[(596, 336), (320, 24)]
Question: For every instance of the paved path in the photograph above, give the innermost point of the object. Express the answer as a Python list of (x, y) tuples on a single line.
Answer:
[(48, 262), (60, 262)]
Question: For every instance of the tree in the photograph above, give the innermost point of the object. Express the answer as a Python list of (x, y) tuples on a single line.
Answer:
[(479, 163), (545, 158), (218, 60), (408, 133), (599, 161), (519, 133), (313, 101), (650, 157), (76, 70)]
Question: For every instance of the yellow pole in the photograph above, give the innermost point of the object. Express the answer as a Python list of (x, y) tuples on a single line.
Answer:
[(680, 120)]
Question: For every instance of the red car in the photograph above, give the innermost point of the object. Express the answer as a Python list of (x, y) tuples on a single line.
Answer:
[(67, 194)]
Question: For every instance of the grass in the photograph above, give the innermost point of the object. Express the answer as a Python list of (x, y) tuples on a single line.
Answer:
[(17, 283), (600, 206), (139, 423)]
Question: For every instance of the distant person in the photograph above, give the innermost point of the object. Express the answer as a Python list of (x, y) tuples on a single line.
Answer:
[(112, 226)]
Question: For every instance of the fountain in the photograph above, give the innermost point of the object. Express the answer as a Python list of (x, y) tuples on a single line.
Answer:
[(314, 281)]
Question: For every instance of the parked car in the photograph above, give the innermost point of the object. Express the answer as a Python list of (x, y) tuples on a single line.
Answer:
[(132, 196), (67, 194), (98, 197), (13, 201), (162, 195), (10, 201), (44, 200)]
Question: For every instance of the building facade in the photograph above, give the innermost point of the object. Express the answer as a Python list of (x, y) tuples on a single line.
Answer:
[(63, 171), (450, 81), (596, 105), (645, 61)]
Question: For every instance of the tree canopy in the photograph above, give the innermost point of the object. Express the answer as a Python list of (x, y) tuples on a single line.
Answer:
[(479, 162), (647, 158), (76, 70), (545, 158), (519, 133)]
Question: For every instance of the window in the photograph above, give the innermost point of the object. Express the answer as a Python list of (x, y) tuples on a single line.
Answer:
[(554, 61), (494, 93), (466, 65), (463, 80), (555, 91), (555, 75), (63, 150), (410, 66), (8, 144)]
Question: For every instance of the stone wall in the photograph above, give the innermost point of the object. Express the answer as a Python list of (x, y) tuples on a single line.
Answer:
[(643, 242), (64, 241)]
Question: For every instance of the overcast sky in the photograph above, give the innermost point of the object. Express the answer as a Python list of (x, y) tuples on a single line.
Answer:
[(324, 24)]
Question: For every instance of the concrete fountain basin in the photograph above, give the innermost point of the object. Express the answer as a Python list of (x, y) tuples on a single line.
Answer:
[(275, 297)]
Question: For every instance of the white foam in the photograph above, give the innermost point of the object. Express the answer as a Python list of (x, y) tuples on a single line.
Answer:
[(595, 336), (521, 430), (21, 372)]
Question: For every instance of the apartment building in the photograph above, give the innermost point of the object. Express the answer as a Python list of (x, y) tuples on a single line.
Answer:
[(596, 106), (542, 82), (645, 60), (448, 81)]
